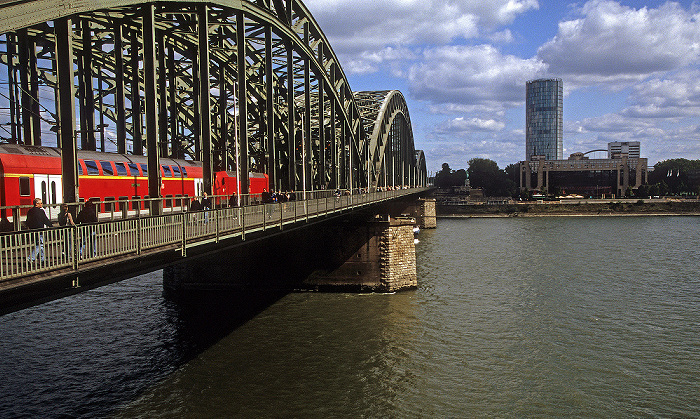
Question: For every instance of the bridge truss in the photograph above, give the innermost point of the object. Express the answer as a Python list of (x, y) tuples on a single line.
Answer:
[(241, 85)]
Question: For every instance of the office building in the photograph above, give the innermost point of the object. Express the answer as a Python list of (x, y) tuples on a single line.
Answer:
[(617, 148), (584, 176), (544, 139)]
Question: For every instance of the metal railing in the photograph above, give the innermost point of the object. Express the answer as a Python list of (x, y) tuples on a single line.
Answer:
[(25, 253)]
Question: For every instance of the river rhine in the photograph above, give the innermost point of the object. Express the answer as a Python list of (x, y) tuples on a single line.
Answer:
[(513, 317)]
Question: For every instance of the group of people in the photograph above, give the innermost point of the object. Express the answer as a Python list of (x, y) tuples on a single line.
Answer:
[(37, 219), (274, 197)]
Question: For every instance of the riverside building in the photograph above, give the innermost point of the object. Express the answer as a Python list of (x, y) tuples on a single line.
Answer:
[(544, 119), (581, 175)]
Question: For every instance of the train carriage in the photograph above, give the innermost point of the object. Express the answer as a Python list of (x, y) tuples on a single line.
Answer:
[(27, 172)]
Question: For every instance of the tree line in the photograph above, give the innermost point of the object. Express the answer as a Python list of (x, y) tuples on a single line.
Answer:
[(484, 174), (672, 177)]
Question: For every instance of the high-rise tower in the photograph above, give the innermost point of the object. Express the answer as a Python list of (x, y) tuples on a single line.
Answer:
[(544, 119)]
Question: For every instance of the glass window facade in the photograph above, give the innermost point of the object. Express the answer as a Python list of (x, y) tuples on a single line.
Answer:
[(544, 120)]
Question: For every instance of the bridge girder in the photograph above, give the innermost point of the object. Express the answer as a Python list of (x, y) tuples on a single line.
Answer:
[(275, 100)]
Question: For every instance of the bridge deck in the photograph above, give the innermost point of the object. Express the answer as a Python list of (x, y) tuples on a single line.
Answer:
[(71, 250)]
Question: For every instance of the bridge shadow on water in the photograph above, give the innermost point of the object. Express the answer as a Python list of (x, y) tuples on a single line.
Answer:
[(214, 294), (202, 317)]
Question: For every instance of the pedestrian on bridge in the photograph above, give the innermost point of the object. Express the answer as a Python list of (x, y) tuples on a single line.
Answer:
[(206, 206), (266, 198), (36, 219), (88, 215), (233, 201), (65, 219)]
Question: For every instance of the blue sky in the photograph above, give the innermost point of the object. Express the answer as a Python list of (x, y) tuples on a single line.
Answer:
[(631, 70)]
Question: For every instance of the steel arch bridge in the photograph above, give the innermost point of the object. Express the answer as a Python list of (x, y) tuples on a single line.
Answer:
[(241, 85)]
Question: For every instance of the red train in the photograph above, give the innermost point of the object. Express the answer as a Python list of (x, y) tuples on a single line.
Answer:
[(27, 172)]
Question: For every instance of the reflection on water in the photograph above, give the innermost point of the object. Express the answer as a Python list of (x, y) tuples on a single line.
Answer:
[(585, 316)]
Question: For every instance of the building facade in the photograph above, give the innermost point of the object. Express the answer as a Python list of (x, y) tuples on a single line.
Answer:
[(544, 130), (618, 148), (588, 177)]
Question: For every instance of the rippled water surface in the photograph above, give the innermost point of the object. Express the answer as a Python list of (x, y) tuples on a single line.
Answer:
[(534, 317)]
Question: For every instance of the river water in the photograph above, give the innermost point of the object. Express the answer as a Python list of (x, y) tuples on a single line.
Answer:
[(513, 317)]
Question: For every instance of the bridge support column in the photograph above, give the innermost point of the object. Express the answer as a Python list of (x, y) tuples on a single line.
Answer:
[(379, 257), (352, 255), (426, 218)]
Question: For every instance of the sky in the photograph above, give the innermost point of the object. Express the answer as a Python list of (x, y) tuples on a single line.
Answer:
[(630, 69)]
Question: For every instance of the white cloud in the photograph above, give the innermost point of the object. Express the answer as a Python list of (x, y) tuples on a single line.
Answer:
[(612, 123), (357, 29), (676, 95), (461, 125), (472, 75), (612, 43)]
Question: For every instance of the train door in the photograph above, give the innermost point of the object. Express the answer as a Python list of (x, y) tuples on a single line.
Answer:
[(198, 187), (48, 188)]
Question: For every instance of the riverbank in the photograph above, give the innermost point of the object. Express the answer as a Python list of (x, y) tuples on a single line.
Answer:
[(535, 209)]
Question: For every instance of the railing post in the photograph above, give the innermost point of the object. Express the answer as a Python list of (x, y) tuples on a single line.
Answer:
[(243, 223), (74, 245), (217, 213), (139, 222), (185, 222), (16, 219)]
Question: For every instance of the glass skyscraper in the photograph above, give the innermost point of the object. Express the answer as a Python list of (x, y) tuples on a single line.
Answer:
[(544, 119)]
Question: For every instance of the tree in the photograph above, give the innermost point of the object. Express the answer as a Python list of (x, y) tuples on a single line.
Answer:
[(442, 178), (447, 177), (485, 174)]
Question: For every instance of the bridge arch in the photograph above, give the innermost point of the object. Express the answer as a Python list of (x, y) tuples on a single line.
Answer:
[(391, 155), (130, 77)]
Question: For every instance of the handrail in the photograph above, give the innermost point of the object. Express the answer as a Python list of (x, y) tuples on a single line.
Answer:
[(116, 209), (24, 253)]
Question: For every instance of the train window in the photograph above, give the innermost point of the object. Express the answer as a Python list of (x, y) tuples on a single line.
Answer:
[(176, 171), (91, 166), (24, 186), (144, 169), (43, 192), (184, 171), (107, 169), (121, 169), (53, 192), (109, 203), (123, 202), (166, 170), (134, 168), (80, 169), (136, 202), (168, 201)]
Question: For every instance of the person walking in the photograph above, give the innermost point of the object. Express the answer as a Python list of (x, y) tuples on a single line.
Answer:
[(266, 199), (37, 219), (88, 215), (65, 219), (206, 206)]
